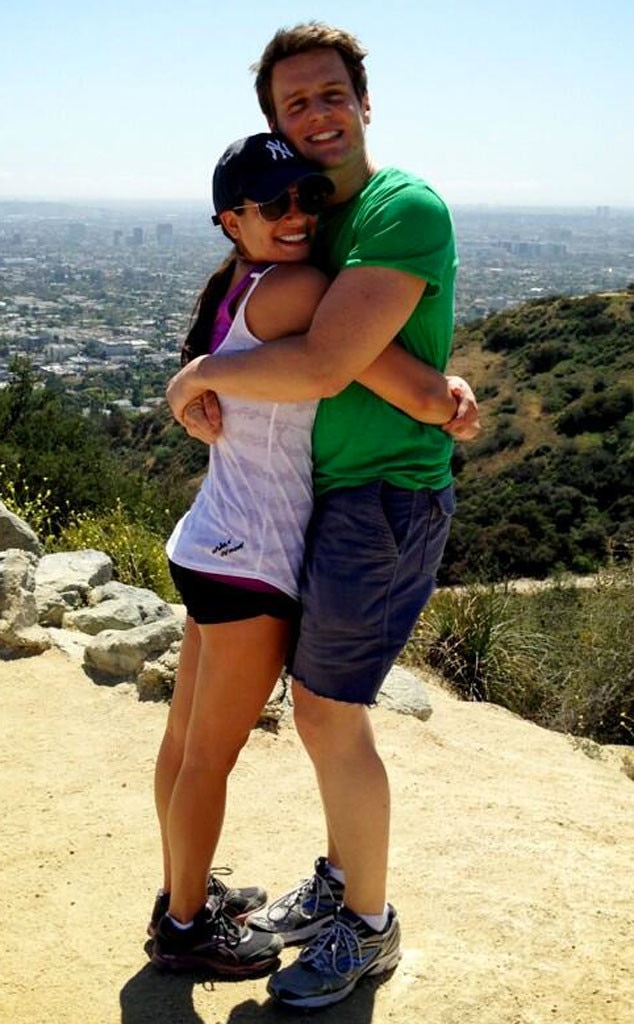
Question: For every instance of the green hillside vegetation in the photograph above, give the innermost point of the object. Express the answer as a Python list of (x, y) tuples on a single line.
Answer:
[(549, 485), (547, 488)]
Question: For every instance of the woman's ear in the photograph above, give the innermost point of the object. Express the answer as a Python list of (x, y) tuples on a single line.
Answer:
[(231, 223)]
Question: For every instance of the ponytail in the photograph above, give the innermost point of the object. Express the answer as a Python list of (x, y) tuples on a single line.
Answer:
[(204, 313)]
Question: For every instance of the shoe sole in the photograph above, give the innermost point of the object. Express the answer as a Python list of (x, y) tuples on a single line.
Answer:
[(297, 935), (381, 966), (193, 964)]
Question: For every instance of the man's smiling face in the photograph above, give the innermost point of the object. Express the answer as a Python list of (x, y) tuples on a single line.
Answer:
[(318, 110)]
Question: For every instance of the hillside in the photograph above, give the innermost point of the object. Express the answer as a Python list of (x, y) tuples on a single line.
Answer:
[(550, 483), (548, 486)]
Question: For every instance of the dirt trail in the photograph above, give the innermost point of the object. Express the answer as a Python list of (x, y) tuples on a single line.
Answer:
[(512, 864)]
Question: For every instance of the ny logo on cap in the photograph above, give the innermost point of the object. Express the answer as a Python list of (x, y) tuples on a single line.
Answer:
[(277, 147)]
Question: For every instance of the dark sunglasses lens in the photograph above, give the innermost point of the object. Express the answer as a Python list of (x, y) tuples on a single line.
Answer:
[(274, 209)]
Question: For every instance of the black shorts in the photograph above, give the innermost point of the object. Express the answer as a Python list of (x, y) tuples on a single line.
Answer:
[(209, 601)]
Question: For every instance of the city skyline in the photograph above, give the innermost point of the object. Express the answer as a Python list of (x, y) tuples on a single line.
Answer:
[(493, 105)]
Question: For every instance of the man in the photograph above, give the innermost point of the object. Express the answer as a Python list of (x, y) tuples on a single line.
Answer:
[(384, 495)]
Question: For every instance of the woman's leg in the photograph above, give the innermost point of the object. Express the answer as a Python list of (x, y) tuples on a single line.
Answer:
[(238, 665), (172, 747)]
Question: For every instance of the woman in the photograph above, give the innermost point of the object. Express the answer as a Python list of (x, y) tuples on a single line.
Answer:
[(236, 555)]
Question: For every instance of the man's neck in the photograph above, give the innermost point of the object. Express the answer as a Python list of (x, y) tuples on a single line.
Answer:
[(349, 179)]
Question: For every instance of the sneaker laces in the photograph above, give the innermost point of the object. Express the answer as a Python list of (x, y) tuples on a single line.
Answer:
[(215, 887), (308, 887), (334, 943), (226, 928)]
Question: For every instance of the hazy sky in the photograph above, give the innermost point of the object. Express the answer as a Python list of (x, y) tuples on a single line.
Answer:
[(494, 102)]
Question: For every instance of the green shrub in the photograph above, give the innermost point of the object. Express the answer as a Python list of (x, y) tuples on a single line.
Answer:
[(483, 651), (137, 553), (590, 660), (561, 656)]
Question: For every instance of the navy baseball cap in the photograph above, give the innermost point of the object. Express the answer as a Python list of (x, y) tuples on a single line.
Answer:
[(260, 168)]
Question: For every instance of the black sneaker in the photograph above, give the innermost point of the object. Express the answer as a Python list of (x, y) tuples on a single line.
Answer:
[(214, 943), (328, 969), (236, 903), (302, 912)]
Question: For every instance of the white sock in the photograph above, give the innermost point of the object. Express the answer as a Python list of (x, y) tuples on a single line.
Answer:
[(376, 922), (177, 924), (335, 873)]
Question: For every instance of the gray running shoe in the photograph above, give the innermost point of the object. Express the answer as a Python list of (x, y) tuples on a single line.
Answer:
[(214, 943), (328, 969), (301, 913)]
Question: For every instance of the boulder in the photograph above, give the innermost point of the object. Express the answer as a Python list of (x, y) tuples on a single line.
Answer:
[(150, 606), (404, 692), (120, 654), (72, 575), (19, 632), (156, 679), (107, 615), (15, 533), (52, 605)]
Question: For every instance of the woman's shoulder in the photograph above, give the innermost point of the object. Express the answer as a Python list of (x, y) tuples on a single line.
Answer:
[(285, 300), (302, 277)]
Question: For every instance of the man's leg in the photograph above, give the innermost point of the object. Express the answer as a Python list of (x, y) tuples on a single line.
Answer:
[(355, 792), (372, 559)]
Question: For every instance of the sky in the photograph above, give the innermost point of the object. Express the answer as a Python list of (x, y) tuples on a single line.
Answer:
[(500, 103)]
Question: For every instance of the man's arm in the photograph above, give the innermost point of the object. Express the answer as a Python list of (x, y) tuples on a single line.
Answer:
[(427, 395), (364, 308), (404, 381)]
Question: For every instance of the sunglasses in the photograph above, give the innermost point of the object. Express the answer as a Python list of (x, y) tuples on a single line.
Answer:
[(310, 195)]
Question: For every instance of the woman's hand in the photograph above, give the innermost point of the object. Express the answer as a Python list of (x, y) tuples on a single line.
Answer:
[(202, 418)]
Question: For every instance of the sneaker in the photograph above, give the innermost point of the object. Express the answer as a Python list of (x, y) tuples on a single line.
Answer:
[(216, 944), (328, 969), (301, 913), (236, 903)]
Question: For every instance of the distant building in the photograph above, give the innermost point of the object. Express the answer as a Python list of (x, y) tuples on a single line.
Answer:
[(124, 347), (164, 233), (603, 212), (117, 236), (137, 236)]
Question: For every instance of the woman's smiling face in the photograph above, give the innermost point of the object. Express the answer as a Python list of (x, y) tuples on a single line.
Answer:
[(286, 240)]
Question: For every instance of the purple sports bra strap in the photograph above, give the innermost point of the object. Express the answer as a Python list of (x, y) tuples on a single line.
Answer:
[(224, 318)]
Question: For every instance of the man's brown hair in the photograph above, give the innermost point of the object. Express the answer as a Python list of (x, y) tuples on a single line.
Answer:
[(314, 35)]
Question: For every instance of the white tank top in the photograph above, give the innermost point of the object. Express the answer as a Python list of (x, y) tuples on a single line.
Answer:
[(250, 514)]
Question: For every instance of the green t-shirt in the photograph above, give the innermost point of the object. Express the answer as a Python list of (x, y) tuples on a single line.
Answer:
[(396, 221)]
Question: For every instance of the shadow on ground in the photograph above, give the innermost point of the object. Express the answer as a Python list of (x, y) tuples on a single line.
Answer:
[(153, 998)]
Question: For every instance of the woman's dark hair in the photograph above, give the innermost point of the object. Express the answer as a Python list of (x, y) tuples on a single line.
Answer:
[(204, 312)]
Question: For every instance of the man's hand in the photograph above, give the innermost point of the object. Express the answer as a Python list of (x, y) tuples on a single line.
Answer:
[(465, 424), (202, 418)]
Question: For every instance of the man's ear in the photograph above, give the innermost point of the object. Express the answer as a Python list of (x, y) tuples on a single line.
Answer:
[(365, 108), (272, 123)]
